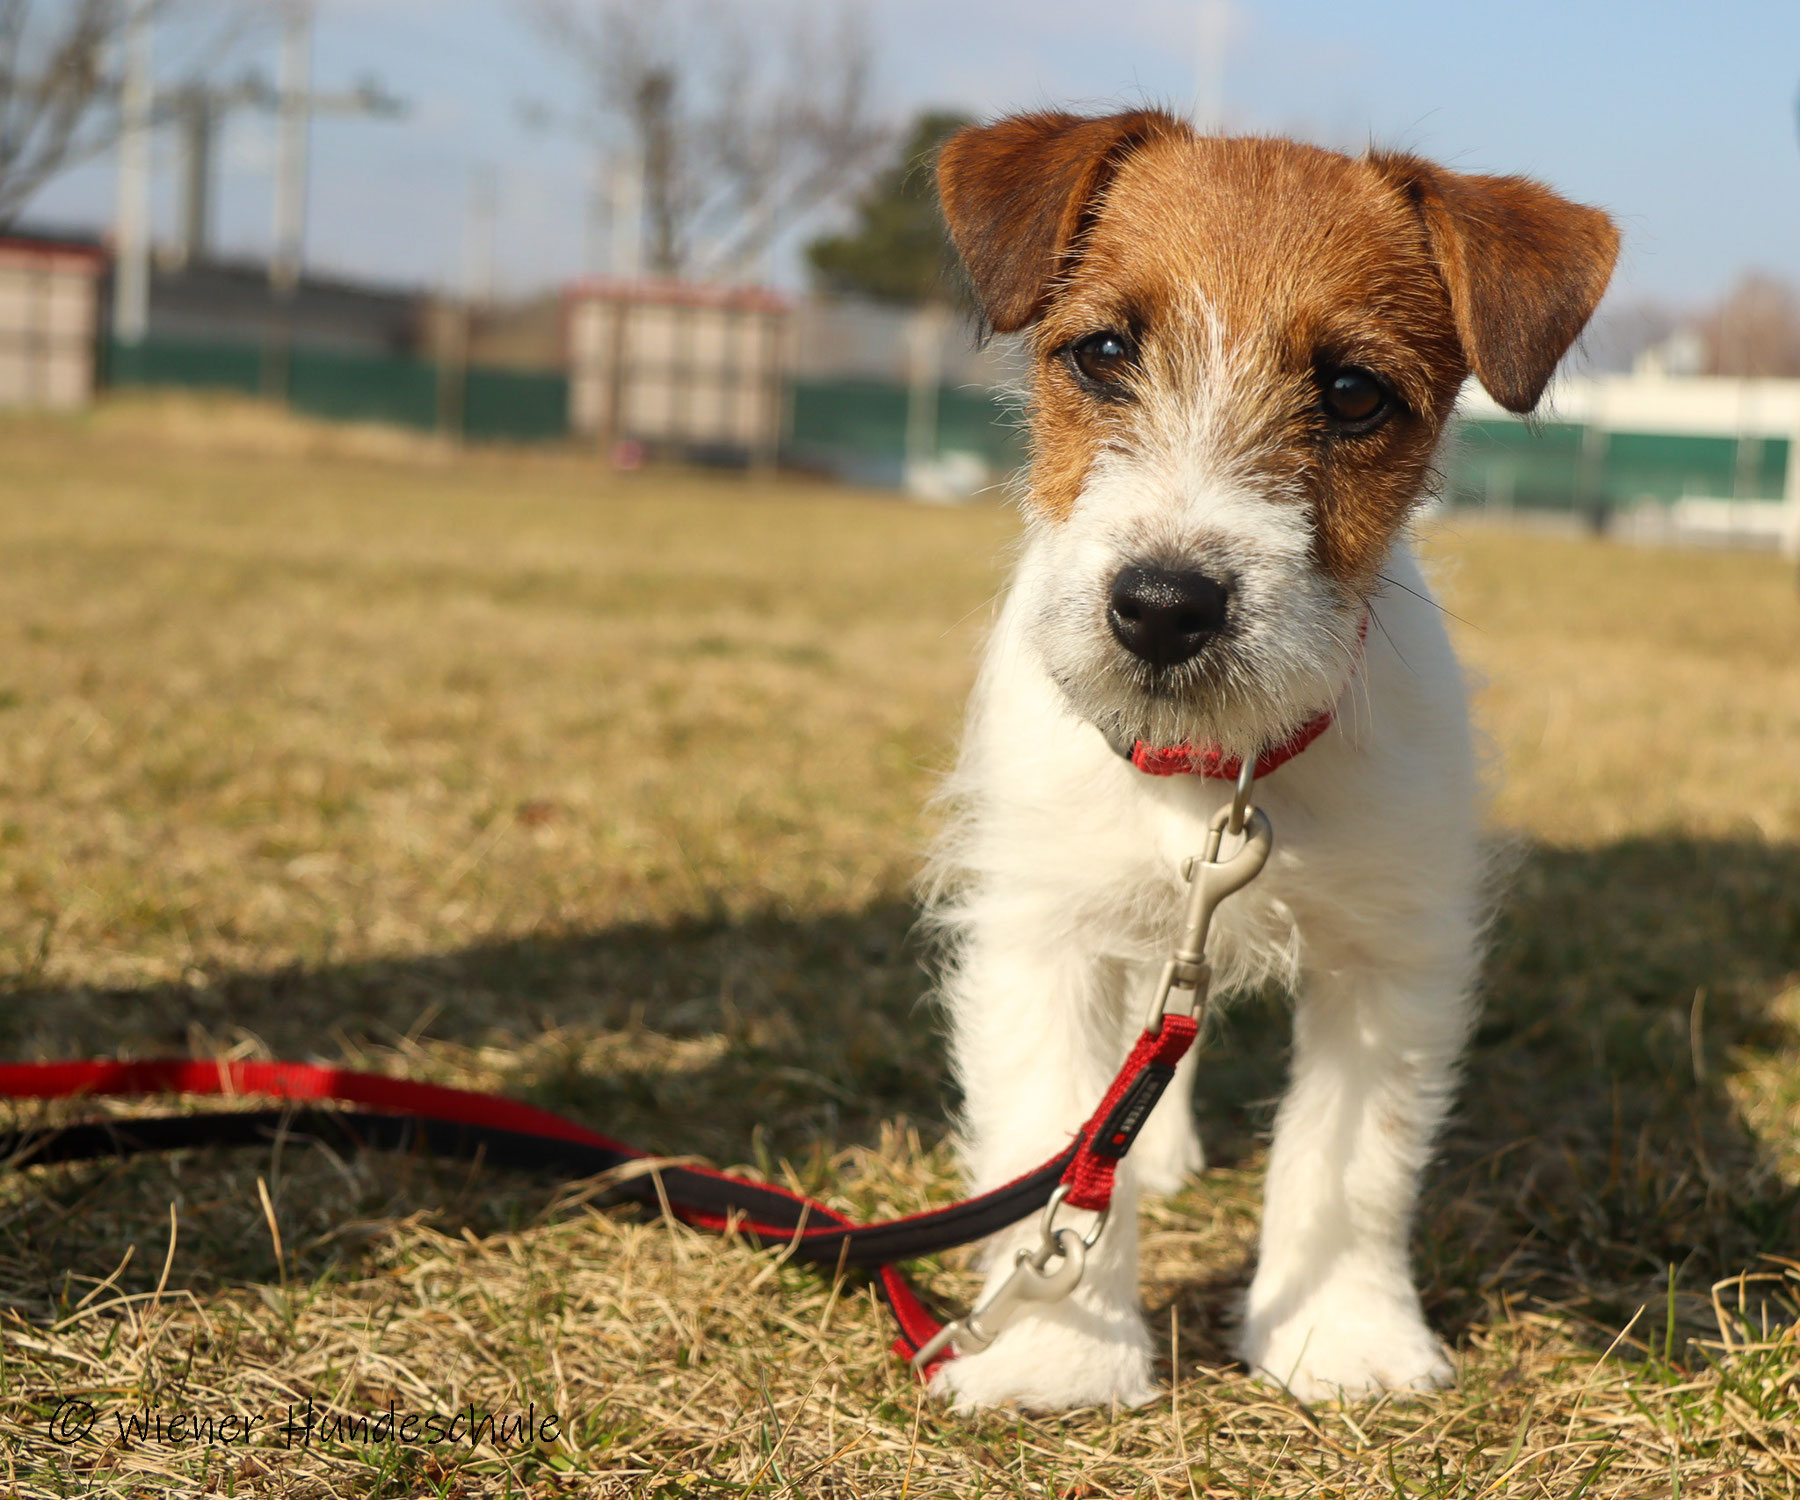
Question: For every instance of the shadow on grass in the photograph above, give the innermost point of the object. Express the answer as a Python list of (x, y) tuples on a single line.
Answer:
[(1603, 1134)]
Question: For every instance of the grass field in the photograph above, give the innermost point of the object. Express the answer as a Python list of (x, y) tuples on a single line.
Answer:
[(609, 793)]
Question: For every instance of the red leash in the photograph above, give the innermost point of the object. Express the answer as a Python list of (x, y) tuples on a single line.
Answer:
[(397, 1115), (406, 1116)]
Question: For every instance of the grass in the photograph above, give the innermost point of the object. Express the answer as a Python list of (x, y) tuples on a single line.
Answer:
[(608, 792)]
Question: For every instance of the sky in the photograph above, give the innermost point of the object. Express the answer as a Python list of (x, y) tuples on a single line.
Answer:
[(1678, 118)]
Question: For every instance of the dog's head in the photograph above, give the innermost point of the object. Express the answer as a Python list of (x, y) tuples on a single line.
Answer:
[(1243, 355)]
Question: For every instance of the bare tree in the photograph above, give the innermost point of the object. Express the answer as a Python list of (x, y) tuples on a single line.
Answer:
[(57, 100), (741, 120), (1755, 330), (59, 84)]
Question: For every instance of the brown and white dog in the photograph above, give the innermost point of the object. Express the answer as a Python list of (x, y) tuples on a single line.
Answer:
[(1244, 353)]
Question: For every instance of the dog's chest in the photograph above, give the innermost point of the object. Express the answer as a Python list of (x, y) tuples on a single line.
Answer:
[(1124, 874)]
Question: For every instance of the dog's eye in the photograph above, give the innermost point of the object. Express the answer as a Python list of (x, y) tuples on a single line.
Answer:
[(1354, 400), (1103, 357)]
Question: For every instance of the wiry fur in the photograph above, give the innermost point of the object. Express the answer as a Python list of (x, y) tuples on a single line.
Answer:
[(1232, 264)]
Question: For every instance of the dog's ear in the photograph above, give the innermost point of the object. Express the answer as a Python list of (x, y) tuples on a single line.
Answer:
[(1018, 195), (1525, 269)]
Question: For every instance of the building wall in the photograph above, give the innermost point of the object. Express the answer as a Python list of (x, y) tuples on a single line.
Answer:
[(49, 321), (685, 368)]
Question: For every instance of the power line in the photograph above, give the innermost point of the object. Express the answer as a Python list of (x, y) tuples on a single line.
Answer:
[(198, 111)]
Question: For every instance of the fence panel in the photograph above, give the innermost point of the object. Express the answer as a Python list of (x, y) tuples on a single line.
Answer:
[(204, 364), (516, 405), (364, 388), (857, 427), (511, 405), (1564, 466)]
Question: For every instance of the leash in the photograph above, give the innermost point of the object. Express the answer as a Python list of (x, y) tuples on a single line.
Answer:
[(397, 1115)]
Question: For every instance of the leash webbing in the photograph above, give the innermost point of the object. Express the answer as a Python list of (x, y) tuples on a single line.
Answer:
[(394, 1114), (419, 1118)]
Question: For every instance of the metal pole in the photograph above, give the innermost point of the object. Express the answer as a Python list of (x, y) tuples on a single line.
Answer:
[(290, 172), (131, 283), (479, 236), (194, 111), (1790, 490), (925, 347), (599, 210), (627, 218)]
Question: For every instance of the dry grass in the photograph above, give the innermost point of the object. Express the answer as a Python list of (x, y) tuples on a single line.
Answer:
[(607, 793)]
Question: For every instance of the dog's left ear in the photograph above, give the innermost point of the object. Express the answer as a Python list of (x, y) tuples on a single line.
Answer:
[(1017, 195), (1525, 269)]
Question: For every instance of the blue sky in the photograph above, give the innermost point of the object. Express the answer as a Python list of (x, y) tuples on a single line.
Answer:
[(1677, 117)]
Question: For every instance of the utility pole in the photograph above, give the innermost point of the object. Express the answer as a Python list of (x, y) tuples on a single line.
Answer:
[(194, 118), (479, 236), (198, 110), (295, 105), (131, 284), (293, 92), (479, 231), (596, 228), (627, 217), (924, 359)]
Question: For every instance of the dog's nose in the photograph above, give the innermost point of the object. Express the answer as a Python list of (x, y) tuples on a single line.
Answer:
[(1165, 615)]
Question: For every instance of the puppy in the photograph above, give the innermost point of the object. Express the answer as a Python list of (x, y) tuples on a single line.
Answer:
[(1243, 356)]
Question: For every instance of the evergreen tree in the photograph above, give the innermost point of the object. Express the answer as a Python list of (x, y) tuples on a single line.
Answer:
[(899, 250)]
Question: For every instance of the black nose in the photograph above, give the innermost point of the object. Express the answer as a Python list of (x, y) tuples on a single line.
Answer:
[(1163, 615)]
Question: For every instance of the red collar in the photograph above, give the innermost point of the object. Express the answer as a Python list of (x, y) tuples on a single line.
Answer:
[(1211, 761), (1214, 764)]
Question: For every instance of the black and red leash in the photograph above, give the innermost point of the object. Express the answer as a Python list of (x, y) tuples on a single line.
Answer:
[(395, 1114)]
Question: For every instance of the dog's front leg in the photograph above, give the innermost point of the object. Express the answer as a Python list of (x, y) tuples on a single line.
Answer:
[(1332, 1309), (1035, 1037)]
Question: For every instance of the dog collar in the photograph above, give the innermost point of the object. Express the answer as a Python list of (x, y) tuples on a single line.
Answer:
[(1210, 760)]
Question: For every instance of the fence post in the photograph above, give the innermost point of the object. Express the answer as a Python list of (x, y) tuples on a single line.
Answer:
[(612, 409), (453, 374), (1590, 496), (925, 349)]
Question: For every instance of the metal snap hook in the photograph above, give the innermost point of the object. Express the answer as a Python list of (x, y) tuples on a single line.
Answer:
[(1211, 880), (1045, 1274), (1240, 798)]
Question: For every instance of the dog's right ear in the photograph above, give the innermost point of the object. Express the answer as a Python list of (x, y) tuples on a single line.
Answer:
[(1019, 194)]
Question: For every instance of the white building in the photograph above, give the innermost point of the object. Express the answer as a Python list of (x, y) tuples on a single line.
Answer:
[(1698, 457)]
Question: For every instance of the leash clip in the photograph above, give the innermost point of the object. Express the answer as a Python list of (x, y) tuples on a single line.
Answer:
[(1210, 880), (1034, 1279), (1054, 1269)]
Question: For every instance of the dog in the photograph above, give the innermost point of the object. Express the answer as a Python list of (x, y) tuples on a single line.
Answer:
[(1243, 356)]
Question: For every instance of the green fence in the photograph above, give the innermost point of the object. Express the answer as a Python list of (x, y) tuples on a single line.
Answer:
[(487, 403), (1569, 467), (858, 427)]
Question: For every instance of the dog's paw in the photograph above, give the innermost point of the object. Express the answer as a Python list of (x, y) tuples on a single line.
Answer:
[(1043, 1364), (1340, 1349)]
